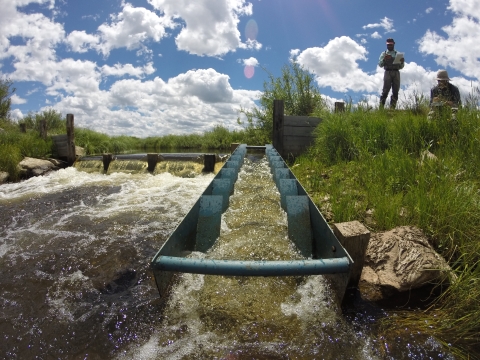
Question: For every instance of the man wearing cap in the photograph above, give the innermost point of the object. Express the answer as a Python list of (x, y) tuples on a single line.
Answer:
[(391, 77), (445, 92)]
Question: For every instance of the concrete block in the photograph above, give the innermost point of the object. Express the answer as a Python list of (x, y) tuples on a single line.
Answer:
[(354, 237)]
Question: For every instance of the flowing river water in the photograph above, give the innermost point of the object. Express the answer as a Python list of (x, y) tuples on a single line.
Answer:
[(75, 248)]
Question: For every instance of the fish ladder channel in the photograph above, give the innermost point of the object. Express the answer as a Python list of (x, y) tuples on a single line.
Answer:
[(253, 316)]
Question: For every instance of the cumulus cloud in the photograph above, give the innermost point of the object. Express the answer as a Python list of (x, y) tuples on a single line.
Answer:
[(17, 99), (428, 10), (131, 28), (210, 25), (127, 69), (251, 61), (336, 65), (80, 41), (459, 48), (251, 45), (40, 34), (376, 35), (194, 101)]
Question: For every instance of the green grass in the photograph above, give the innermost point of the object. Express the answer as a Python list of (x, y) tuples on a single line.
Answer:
[(368, 166)]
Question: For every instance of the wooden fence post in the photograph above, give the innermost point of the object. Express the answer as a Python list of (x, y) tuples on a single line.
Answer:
[(152, 160), (209, 162), (339, 106), (278, 117), (43, 129), (70, 140), (107, 159)]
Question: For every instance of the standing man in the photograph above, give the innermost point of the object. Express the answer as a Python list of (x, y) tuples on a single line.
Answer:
[(391, 78)]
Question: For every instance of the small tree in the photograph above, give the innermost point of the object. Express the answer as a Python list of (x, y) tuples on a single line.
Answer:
[(6, 91), (296, 86), (53, 118)]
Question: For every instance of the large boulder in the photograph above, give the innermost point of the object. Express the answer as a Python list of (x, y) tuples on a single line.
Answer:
[(29, 167), (400, 260)]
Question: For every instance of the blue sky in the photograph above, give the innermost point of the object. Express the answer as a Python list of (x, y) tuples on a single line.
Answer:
[(157, 67)]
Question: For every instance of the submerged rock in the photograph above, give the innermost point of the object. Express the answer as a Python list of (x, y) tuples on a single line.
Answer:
[(400, 260)]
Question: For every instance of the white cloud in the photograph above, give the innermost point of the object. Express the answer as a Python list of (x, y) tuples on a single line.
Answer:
[(335, 65), (39, 33), (194, 101), (428, 10), (131, 28), (17, 99), (80, 41), (250, 62), (210, 25), (128, 69), (251, 45), (385, 23), (459, 49), (376, 35), (16, 114)]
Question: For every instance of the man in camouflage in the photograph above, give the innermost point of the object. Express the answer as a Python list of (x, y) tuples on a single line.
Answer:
[(391, 77)]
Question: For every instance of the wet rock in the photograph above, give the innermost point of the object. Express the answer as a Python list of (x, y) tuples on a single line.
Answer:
[(79, 151), (3, 177), (29, 167), (400, 260)]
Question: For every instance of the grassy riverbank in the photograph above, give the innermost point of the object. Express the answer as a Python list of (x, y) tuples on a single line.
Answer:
[(16, 144), (372, 166)]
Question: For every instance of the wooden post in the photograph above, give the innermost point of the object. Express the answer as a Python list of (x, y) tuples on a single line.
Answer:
[(339, 106), (209, 162), (152, 160), (107, 159), (43, 129), (70, 140), (278, 117), (354, 237)]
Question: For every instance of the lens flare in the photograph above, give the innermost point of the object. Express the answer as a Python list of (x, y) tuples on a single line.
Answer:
[(249, 71), (251, 30)]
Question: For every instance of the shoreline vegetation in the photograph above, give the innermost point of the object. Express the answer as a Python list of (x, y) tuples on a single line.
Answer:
[(384, 168)]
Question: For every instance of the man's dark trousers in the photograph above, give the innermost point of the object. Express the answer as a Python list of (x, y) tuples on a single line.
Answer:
[(391, 80)]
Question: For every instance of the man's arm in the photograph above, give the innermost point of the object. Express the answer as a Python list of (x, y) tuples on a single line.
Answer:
[(380, 60)]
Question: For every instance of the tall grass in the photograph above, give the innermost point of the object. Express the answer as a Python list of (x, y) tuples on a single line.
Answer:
[(371, 166)]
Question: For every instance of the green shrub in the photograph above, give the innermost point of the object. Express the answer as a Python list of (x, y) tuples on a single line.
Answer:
[(9, 160)]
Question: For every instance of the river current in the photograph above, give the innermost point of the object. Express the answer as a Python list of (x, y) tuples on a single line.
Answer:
[(75, 249)]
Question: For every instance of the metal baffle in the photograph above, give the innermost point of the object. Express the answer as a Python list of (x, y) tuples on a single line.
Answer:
[(208, 225), (286, 187), (223, 187), (299, 226), (279, 174)]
